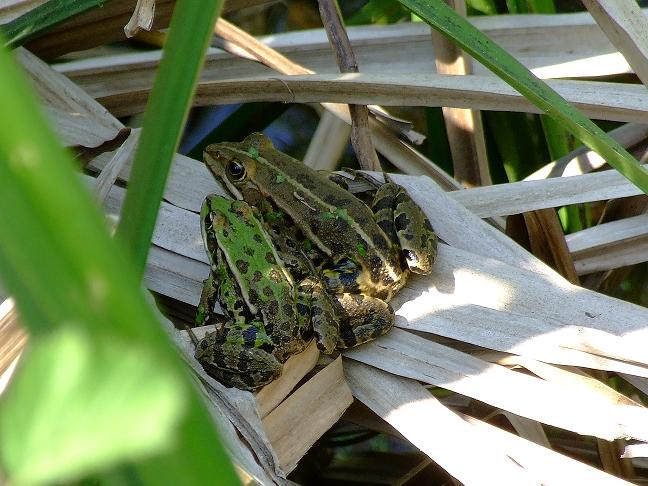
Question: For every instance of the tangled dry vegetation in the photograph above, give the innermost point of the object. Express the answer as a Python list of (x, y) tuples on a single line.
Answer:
[(529, 345)]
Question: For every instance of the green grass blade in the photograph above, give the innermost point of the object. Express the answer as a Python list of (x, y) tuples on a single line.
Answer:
[(43, 17), (449, 23), (166, 113), (67, 275)]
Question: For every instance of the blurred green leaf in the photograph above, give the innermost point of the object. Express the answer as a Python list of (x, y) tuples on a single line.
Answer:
[(516, 6), (542, 6), (169, 102), (78, 404), (484, 6), (43, 17), (520, 149), (64, 271), (378, 12), (500, 62)]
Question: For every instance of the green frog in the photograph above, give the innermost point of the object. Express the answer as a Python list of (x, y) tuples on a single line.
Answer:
[(364, 254), (269, 317)]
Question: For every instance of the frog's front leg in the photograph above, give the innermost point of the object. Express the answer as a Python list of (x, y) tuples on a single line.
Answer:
[(208, 297), (236, 357), (365, 319), (316, 314), (404, 222)]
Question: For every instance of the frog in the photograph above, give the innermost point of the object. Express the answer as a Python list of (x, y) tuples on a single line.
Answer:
[(364, 253), (269, 317)]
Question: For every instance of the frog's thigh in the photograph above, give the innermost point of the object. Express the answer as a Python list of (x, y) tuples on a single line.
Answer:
[(366, 318), (316, 314), (406, 225), (236, 364)]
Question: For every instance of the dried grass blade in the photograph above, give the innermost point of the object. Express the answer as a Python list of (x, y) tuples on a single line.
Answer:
[(551, 468), (295, 425), (519, 197), (582, 160), (78, 119), (600, 100), (405, 354), (463, 126), (433, 428), (625, 26)]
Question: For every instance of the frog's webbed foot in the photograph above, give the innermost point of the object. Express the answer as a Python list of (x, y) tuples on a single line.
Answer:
[(366, 318), (316, 314), (235, 364), (406, 225)]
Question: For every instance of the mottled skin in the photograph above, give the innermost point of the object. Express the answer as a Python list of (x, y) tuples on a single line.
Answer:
[(364, 254), (269, 318)]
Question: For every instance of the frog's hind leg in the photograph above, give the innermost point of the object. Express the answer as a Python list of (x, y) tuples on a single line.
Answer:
[(316, 313), (239, 357), (404, 222), (366, 319)]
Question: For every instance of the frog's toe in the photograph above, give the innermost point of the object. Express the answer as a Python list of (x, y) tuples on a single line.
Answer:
[(366, 319), (421, 262)]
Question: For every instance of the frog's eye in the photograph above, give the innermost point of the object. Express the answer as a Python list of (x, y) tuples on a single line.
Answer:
[(236, 170)]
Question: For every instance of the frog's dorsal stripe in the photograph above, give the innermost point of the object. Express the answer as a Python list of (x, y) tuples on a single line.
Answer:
[(387, 265)]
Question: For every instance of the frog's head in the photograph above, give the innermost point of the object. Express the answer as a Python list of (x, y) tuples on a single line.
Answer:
[(236, 164), (234, 364)]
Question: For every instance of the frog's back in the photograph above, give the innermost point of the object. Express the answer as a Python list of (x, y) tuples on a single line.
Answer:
[(340, 223)]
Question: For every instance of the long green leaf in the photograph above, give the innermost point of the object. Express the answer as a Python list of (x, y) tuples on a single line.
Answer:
[(169, 102), (449, 23), (43, 17), (66, 274)]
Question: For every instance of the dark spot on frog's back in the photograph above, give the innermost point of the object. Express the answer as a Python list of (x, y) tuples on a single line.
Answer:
[(337, 246), (249, 336), (254, 296), (305, 179), (267, 291), (248, 251), (257, 238), (257, 276), (242, 266), (287, 309), (270, 258), (379, 241), (384, 203), (401, 222), (273, 308), (302, 309), (339, 202)]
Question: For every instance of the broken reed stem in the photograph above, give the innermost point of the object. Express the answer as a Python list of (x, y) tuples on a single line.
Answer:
[(339, 40)]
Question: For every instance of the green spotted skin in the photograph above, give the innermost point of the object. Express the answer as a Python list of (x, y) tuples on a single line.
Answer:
[(270, 318), (359, 251), (254, 290)]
